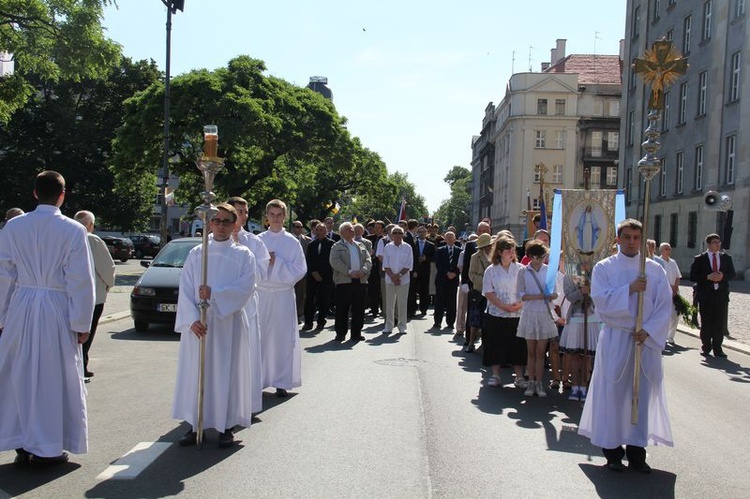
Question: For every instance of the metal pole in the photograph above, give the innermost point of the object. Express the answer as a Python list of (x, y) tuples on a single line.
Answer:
[(648, 167), (165, 157)]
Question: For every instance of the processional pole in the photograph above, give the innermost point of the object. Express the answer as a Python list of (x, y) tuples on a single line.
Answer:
[(661, 66), (209, 163)]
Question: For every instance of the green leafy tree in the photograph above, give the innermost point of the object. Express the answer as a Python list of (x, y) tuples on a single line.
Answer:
[(51, 41), (383, 201), (68, 126), (278, 140), (455, 210)]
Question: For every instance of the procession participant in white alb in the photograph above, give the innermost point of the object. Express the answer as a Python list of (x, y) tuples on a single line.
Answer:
[(46, 305), (228, 364), (673, 277), (280, 348), (606, 420), (259, 251)]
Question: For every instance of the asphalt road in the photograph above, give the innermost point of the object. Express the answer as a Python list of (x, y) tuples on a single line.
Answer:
[(397, 416)]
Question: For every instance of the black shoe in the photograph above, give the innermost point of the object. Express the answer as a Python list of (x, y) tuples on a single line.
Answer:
[(321, 326), (23, 458), (720, 354), (616, 466), (190, 438), (307, 327), (88, 374), (705, 352), (470, 349), (436, 326), (49, 461), (281, 393), (226, 439), (87, 380), (358, 338), (641, 467), (339, 338)]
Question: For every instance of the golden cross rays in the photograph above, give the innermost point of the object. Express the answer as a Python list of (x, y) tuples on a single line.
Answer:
[(661, 66)]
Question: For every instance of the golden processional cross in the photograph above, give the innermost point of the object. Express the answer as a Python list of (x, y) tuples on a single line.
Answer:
[(660, 67)]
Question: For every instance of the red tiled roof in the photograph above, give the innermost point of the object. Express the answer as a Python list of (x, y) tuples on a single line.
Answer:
[(591, 68)]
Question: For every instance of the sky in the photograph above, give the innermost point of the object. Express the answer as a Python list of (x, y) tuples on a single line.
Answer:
[(412, 77)]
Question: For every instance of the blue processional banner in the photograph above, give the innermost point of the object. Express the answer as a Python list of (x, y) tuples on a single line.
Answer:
[(584, 226)]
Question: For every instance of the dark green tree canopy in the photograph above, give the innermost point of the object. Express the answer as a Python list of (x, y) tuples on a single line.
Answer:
[(51, 40), (278, 140)]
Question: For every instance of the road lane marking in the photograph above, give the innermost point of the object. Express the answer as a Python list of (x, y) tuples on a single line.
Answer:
[(134, 461)]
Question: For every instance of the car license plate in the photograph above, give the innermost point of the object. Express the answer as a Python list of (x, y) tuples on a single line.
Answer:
[(167, 307)]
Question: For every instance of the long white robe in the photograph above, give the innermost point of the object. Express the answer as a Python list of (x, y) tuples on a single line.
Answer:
[(258, 249), (282, 357), (228, 366), (46, 296), (606, 414)]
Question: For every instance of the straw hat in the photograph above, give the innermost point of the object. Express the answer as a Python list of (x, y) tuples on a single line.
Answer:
[(484, 240)]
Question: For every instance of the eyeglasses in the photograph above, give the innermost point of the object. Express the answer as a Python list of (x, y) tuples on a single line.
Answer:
[(222, 221)]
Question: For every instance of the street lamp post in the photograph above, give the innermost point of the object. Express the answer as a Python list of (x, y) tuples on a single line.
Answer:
[(172, 7)]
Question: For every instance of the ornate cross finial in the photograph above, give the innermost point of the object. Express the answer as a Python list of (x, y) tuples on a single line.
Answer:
[(661, 66), (540, 169)]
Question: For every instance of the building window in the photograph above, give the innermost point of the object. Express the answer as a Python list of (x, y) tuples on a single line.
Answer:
[(613, 141), (734, 80), (692, 228), (702, 84), (611, 176), (596, 144), (535, 203), (673, 230), (541, 106), (680, 168), (560, 139), (614, 108), (682, 111), (541, 138), (739, 9), (686, 28), (670, 35), (657, 8), (598, 108), (631, 127), (665, 113), (560, 107), (595, 177), (699, 168), (657, 228), (636, 21), (730, 158), (706, 31), (663, 178), (557, 174)]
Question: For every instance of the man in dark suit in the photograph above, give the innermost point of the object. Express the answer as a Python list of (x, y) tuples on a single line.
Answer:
[(711, 271), (333, 236), (319, 278), (410, 238), (446, 281), (424, 255), (373, 285)]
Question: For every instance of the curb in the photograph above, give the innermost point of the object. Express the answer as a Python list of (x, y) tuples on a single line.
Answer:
[(727, 343), (114, 317)]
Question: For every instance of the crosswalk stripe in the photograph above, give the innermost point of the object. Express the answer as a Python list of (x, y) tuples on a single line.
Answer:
[(134, 461)]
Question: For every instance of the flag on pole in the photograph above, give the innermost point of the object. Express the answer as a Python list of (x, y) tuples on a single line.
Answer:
[(402, 211), (336, 208), (543, 213)]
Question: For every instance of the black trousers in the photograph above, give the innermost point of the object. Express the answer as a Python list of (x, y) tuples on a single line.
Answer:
[(713, 324), (423, 288), (350, 297), (98, 309), (373, 293), (318, 299), (445, 304)]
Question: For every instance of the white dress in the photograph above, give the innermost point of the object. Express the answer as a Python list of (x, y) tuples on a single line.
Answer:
[(258, 249), (46, 296), (536, 316), (228, 367), (606, 414), (280, 348)]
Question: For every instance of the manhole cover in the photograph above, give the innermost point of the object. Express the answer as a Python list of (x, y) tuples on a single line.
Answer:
[(400, 362)]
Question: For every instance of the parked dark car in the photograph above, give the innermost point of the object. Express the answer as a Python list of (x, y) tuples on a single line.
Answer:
[(119, 247), (154, 297), (145, 245)]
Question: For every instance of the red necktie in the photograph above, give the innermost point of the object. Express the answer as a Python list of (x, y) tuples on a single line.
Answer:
[(715, 266)]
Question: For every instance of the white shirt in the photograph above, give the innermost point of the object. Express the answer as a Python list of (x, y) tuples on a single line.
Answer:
[(502, 283), (397, 258)]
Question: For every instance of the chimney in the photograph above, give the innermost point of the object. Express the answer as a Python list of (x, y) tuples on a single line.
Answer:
[(558, 53)]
